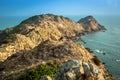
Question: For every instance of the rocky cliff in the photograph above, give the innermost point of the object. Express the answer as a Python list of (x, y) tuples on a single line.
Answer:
[(45, 38)]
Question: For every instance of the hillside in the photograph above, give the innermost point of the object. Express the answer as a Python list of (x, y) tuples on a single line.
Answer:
[(31, 32), (42, 39), (48, 51)]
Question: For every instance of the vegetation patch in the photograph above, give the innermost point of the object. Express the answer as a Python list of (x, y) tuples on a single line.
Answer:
[(36, 73)]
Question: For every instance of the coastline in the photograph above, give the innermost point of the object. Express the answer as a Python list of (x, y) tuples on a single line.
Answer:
[(56, 40)]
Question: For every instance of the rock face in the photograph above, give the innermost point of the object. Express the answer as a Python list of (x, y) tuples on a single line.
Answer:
[(47, 37), (90, 24), (79, 70)]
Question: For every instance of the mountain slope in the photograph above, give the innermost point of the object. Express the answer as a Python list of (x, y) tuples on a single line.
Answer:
[(35, 30), (47, 51)]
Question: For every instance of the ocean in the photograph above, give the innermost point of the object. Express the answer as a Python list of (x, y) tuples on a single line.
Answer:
[(105, 45), (11, 21)]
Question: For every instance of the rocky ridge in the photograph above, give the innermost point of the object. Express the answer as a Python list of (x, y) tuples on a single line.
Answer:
[(35, 30), (43, 38), (31, 32)]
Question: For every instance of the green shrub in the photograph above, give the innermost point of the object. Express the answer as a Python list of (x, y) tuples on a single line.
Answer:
[(36, 73)]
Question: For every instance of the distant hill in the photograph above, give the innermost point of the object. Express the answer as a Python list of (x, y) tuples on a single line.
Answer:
[(90, 24)]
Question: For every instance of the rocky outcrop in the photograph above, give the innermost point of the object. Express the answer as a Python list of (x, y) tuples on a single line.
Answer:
[(80, 70), (90, 24)]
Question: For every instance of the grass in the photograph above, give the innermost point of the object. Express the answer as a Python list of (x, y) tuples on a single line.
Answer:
[(36, 73)]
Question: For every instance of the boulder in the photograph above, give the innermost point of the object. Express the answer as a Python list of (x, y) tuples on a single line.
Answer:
[(79, 70), (46, 78)]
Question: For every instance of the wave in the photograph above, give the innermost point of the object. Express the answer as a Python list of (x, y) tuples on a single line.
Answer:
[(117, 60), (100, 51)]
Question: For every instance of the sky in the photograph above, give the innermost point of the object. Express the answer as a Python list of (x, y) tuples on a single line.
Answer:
[(60, 7)]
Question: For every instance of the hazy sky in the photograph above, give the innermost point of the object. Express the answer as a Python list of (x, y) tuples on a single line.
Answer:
[(61, 7)]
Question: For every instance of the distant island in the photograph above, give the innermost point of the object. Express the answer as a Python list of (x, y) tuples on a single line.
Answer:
[(43, 47)]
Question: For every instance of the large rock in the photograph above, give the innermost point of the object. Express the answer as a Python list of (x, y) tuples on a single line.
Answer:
[(46, 78), (79, 70)]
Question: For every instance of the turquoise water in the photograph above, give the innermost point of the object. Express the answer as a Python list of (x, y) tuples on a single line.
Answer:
[(108, 41)]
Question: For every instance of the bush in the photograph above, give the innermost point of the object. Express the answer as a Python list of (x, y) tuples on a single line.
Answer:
[(36, 73)]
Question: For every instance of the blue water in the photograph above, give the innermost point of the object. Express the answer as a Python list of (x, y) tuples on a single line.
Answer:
[(108, 41), (10, 21)]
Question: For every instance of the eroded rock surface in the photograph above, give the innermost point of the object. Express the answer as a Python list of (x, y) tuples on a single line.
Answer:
[(80, 70)]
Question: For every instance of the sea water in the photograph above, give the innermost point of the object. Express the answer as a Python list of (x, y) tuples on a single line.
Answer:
[(107, 42), (10, 21)]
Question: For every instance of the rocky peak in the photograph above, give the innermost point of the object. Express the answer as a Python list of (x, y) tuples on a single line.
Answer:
[(90, 24), (36, 20), (87, 19)]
